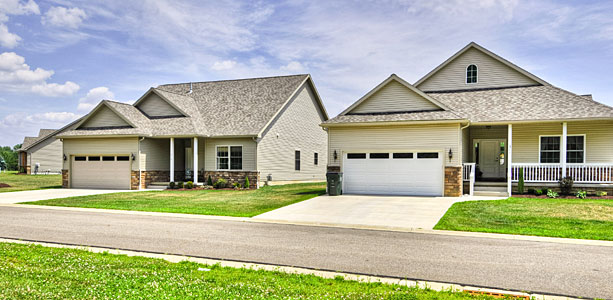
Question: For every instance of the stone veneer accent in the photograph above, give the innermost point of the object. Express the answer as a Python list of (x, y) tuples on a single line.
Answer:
[(28, 170), (65, 181), (334, 168), (453, 181), (232, 177), (134, 180)]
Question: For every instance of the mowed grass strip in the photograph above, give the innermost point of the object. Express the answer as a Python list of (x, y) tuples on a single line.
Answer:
[(36, 272), (29, 182), (241, 203), (566, 218)]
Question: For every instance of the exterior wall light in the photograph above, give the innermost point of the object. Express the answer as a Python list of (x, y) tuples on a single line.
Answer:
[(450, 154), (133, 157), (335, 155), (64, 157)]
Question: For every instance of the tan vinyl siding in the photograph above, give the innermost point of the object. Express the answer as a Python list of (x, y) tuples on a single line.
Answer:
[(104, 117), (154, 106), (210, 152), (48, 154), (394, 97), (123, 146), (297, 128), (491, 73), (598, 139), (155, 154), (436, 137)]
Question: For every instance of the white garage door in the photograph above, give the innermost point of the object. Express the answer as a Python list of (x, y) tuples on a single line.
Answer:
[(393, 173), (101, 172)]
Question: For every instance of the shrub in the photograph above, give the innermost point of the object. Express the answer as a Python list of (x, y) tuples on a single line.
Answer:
[(220, 183), (538, 192), (552, 194), (520, 185), (189, 185), (566, 185), (601, 193), (531, 191), (246, 185), (209, 181), (172, 185), (236, 185), (581, 194), (180, 184)]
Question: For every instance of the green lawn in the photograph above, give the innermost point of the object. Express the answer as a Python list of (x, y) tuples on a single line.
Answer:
[(567, 218), (36, 272), (245, 203), (29, 182)]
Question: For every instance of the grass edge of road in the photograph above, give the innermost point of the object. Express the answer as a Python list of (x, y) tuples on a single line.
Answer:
[(24, 263)]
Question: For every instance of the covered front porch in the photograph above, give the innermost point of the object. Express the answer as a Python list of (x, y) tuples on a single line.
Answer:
[(175, 159), (495, 155)]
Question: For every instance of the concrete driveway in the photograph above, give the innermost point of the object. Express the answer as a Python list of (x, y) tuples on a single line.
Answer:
[(26, 196), (368, 211)]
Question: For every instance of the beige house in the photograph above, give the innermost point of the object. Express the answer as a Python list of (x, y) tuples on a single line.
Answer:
[(266, 129), (41, 154), (471, 125)]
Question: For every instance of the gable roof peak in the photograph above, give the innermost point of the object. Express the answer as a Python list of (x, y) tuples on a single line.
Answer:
[(474, 45)]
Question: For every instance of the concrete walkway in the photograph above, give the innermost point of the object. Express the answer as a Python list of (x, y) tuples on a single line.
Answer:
[(26, 196), (361, 210)]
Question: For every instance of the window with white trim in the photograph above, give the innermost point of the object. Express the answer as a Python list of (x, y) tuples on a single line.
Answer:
[(550, 149), (471, 74), (229, 157), (297, 160)]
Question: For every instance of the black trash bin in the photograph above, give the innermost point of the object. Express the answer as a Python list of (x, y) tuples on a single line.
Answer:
[(335, 183)]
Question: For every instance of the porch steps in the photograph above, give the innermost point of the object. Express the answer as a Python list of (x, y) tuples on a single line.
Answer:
[(491, 189), (158, 186)]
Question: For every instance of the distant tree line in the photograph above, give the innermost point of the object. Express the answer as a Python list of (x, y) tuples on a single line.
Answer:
[(8, 157)]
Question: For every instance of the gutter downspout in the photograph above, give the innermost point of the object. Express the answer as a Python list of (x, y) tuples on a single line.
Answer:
[(257, 142), (140, 172)]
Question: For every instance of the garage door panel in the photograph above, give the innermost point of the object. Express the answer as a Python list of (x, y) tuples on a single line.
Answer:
[(406, 176), (101, 174)]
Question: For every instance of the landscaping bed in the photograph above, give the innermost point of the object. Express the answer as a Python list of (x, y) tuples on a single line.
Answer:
[(221, 202), (569, 217), (36, 272), (13, 182)]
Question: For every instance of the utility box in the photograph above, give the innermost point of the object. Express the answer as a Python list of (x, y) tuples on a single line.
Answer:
[(335, 183)]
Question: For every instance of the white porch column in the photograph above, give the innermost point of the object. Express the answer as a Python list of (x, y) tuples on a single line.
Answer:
[(195, 160), (172, 159), (563, 149), (510, 159)]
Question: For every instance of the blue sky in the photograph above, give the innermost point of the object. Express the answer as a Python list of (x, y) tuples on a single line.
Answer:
[(59, 58)]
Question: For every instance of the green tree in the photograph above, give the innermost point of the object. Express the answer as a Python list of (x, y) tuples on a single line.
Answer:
[(9, 156)]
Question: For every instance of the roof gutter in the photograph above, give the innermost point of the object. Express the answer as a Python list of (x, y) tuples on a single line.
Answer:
[(420, 122)]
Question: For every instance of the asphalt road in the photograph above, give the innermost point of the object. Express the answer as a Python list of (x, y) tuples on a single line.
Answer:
[(553, 268)]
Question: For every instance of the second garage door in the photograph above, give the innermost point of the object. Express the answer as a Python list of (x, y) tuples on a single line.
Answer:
[(101, 172), (393, 173)]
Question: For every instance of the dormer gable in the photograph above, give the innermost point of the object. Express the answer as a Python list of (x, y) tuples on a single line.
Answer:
[(394, 95), (103, 117), (154, 105), (475, 67)]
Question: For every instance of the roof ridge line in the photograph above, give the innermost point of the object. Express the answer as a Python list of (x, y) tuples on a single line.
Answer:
[(239, 79), (482, 89)]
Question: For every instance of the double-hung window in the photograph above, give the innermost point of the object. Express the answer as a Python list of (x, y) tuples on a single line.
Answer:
[(229, 157), (551, 148), (297, 160)]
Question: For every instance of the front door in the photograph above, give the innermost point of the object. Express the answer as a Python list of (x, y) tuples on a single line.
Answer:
[(491, 159)]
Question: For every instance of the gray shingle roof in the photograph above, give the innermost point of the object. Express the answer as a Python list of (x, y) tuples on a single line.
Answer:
[(522, 104), (240, 107), (27, 142)]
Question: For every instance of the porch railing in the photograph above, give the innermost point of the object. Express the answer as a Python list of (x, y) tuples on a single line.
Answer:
[(468, 174), (581, 173)]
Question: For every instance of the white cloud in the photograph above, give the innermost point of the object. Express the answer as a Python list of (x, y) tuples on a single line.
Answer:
[(93, 97), (223, 65), (13, 7), (7, 39), (16, 126), (58, 16), (17, 76), (55, 89), (293, 67)]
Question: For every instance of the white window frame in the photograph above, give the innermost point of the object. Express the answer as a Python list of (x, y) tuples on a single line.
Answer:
[(229, 158), (560, 136), (466, 74)]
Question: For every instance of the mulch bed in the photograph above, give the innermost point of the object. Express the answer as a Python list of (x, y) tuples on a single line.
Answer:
[(3, 185), (560, 197), (201, 188)]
